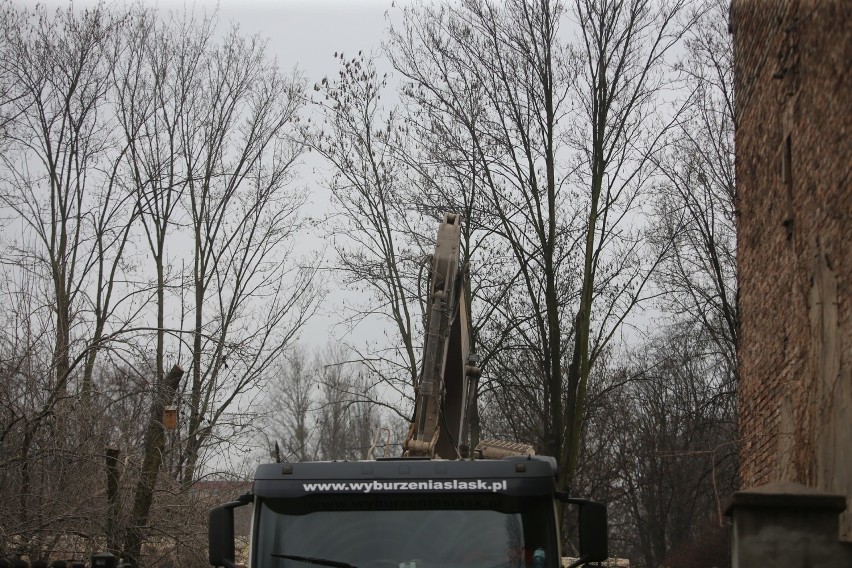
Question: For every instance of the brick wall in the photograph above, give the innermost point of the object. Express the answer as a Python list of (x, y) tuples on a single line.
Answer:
[(793, 73)]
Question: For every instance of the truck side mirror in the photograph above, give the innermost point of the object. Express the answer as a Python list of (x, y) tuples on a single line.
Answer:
[(594, 540), (594, 535), (104, 560), (220, 532)]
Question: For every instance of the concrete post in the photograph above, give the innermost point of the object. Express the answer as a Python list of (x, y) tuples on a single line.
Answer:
[(787, 524)]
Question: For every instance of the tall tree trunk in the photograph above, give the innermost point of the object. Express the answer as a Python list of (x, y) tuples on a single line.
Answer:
[(155, 441), (113, 503)]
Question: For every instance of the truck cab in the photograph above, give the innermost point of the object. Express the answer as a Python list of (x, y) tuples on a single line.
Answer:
[(406, 513), (418, 511)]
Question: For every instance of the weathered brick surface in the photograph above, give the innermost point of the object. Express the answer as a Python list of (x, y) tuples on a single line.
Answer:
[(794, 120)]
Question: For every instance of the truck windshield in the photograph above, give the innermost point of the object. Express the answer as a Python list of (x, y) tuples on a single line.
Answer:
[(405, 531)]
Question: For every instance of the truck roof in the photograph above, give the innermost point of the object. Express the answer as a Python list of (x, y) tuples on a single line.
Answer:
[(515, 475)]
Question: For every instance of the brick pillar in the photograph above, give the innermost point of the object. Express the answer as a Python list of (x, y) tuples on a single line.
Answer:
[(787, 524)]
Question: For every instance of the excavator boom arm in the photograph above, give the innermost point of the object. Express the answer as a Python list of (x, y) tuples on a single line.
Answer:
[(449, 372)]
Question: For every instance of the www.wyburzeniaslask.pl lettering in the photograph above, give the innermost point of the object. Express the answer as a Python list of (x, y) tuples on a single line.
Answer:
[(429, 485)]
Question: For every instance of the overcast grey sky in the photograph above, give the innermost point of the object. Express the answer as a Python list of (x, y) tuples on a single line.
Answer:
[(307, 33), (301, 32)]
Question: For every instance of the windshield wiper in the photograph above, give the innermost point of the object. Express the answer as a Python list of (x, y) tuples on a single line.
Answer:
[(312, 560)]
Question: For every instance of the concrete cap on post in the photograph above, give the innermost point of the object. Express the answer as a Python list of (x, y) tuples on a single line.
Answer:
[(786, 494), (787, 524)]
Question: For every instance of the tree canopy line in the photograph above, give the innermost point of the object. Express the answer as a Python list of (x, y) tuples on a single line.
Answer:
[(154, 208)]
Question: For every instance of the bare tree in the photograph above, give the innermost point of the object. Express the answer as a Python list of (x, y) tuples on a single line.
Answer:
[(562, 140), (244, 221), (209, 126), (661, 439), (324, 408), (62, 256), (58, 67), (346, 414), (291, 413), (683, 430), (36, 499), (370, 228), (509, 59), (121, 129), (155, 82), (624, 47), (696, 205)]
